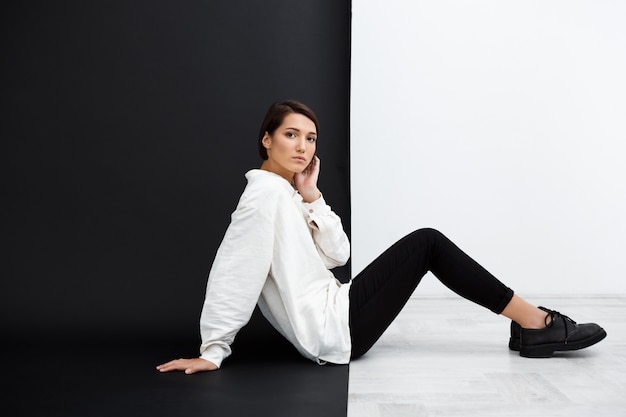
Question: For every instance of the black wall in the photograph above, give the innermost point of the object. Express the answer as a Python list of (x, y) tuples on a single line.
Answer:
[(127, 127)]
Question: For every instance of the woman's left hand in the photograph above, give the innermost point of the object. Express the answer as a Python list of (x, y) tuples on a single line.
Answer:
[(190, 366), (306, 181)]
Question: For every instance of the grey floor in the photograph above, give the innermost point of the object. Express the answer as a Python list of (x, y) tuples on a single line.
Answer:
[(448, 357)]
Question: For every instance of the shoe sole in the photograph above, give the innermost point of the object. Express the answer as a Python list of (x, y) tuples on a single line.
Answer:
[(547, 350)]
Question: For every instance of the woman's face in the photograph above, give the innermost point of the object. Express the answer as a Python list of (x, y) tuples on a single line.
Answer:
[(291, 147)]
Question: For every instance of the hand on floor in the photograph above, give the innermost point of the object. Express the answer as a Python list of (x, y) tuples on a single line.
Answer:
[(190, 366)]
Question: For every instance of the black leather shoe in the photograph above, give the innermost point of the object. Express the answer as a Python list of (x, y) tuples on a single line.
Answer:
[(516, 330), (560, 334)]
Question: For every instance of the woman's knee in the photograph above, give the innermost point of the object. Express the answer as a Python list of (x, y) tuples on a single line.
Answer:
[(428, 237), (427, 233)]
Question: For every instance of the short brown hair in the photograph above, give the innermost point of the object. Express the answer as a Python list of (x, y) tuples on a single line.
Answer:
[(275, 116)]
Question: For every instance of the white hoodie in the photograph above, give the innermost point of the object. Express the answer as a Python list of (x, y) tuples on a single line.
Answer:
[(277, 251)]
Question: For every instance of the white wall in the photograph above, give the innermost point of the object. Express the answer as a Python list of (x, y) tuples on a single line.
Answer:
[(500, 123)]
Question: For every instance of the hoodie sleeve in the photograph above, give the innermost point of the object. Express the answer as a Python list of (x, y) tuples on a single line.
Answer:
[(330, 239), (237, 276)]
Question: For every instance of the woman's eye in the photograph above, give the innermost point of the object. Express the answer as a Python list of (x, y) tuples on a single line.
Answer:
[(291, 135), (311, 139)]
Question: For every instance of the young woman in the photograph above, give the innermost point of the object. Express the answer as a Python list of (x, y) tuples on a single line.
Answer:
[(283, 240)]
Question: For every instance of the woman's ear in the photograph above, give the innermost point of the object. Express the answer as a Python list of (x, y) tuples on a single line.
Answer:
[(267, 140)]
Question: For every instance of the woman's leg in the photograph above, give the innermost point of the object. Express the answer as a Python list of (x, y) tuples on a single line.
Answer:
[(381, 290), (525, 314)]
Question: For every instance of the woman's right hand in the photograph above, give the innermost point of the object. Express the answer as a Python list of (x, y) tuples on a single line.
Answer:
[(190, 366), (306, 181)]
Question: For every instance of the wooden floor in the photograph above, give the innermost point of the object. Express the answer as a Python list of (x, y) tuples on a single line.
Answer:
[(448, 357)]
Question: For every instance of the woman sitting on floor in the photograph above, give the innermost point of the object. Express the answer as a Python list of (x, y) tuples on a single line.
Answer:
[(284, 239)]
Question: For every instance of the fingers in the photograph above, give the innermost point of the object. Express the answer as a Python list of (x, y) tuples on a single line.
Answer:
[(175, 365), (313, 166)]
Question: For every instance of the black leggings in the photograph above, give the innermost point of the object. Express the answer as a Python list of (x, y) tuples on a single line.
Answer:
[(378, 293)]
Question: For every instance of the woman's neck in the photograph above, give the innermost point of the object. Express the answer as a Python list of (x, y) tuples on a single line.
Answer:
[(268, 166)]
